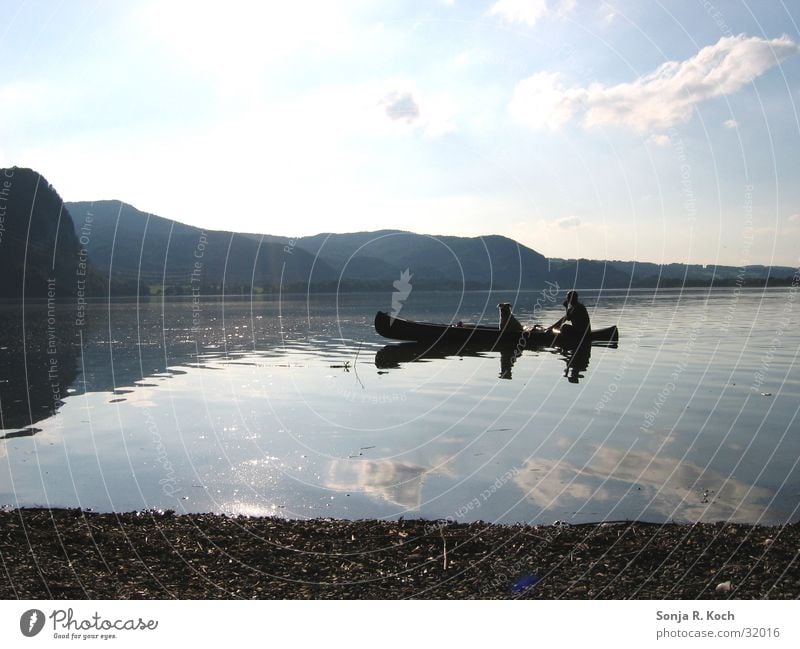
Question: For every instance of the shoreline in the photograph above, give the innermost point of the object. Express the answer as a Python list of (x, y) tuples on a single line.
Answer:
[(75, 554)]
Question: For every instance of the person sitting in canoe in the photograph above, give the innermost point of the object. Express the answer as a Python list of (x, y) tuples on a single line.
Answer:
[(576, 321)]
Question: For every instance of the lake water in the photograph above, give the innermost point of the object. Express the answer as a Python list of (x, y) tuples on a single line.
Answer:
[(292, 407)]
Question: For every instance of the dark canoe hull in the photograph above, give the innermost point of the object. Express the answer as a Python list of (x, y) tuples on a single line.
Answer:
[(483, 337)]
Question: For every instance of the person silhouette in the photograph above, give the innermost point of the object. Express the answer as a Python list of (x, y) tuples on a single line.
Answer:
[(575, 322)]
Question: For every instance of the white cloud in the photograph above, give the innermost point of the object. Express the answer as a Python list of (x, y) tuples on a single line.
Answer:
[(234, 46), (406, 106), (659, 139), (568, 222), (529, 12), (657, 100), (519, 11), (541, 101), (566, 6), (730, 123), (664, 481), (400, 105), (397, 482), (794, 218)]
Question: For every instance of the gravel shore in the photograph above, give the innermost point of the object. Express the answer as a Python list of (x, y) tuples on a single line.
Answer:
[(72, 554)]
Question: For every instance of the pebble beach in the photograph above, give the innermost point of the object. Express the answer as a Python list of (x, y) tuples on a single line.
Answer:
[(75, 554)]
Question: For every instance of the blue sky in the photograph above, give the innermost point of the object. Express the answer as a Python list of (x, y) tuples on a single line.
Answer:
[(622, 130)]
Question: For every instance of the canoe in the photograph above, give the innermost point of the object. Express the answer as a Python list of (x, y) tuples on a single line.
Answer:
[(485, 337)]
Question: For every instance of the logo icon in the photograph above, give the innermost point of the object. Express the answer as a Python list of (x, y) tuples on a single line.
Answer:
[(402, 288), (31, 622)]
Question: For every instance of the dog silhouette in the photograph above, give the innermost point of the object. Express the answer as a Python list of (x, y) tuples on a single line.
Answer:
[(507, 320)]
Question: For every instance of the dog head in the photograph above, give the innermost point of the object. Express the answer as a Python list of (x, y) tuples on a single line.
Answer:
[(505, 309)]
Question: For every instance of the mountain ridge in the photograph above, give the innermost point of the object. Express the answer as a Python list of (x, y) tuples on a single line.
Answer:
[(287, 240), (367, 260), (124, 251)]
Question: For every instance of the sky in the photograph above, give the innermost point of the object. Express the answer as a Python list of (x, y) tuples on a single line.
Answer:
[(654, 131)]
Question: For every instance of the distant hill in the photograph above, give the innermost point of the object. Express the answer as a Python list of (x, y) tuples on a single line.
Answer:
[(588, 273), (115, 245), (131, 246), (646, 275), (38, 245), (160, 255), (436, 262), (151, 254)]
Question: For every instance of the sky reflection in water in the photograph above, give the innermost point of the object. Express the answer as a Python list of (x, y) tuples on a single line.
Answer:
[(298, 409)]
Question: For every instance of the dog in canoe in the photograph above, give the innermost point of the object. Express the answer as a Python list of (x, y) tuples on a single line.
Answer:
[(507, 320)]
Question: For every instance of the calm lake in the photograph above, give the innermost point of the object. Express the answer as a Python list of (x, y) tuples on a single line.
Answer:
[(292, 407)]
